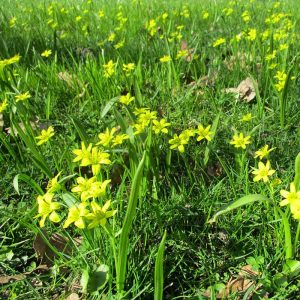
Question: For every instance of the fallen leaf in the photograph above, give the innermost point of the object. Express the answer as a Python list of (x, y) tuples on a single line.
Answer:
[(1, 121), (73, 83), (245, 90), (240, 284), (73, 296), (184, 46), (43, 250)]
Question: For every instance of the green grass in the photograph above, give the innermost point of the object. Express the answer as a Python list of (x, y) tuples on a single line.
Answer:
[(154, 189)]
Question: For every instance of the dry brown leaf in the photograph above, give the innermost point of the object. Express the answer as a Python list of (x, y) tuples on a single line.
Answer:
[(184, 46), (245, 279), (44, 252), (18, 277), (73, 296), (1, 121), (72, 82), (245, 90)]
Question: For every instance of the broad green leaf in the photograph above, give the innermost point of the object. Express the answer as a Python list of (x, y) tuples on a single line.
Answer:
[(297, 172), (28, 180), (249, 199), (108, 106), (127, 224), (291, 267), (159, 270)]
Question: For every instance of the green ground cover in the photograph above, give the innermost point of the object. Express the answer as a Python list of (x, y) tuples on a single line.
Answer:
[(149, 149)]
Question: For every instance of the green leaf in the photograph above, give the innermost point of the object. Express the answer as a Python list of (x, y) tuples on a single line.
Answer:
[(28, 180), (297, 172), (159, 270), (291, 268), (249, 199), (213, 129), (80, 130), (108, 106), (69, 199), (127, 224)]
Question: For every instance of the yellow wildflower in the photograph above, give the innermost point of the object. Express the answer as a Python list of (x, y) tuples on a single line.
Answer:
[(3, 105), (109, 69), (119, 139), (100, 215), (46, 53), (22, 97), (219, 42), (263, 172), (178, 142), (239, 141), (292, 198), (247, 117), (160, 126), (165, 58), (76, 215), (47, 208), (126, 99), (204, 133), (107, 137), (263, 152), (45, 135)]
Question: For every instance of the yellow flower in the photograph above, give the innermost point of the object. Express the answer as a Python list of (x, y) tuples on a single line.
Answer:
[(22, 97), (109, 69), (97, 159), (246, 118), (178, 142), (78, 18), (53, 185), (205, 15), (160, 126), (45, 135), (151, 27), (111, 37), (138, 111), (76, 215), (263, 152), (271, 56), (46, 53), (126, 99), (3, 105), (47, 208), (90, 188), (119, 139), (107, 137), (252, 34), (239, 141), (204, 133), (281, 77), (219, 42), (12, 22), (263, 172), (101, 14), (292, 198), (246, 16), (128, 68), (182, 53), (83, 154), (139, 128), (165, 58), (147, 117), (100, 214)]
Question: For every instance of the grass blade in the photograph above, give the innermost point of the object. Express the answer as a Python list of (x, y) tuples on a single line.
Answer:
[(159, 270)]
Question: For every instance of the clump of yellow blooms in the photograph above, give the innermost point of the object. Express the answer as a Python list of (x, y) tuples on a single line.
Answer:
[(281, 79), (240, 141), (109, 69), (45, 135)]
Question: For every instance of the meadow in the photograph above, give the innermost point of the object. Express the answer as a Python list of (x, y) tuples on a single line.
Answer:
[(149, 149)]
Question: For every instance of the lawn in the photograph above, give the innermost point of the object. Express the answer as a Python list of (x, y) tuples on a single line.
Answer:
[(149, 149)]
